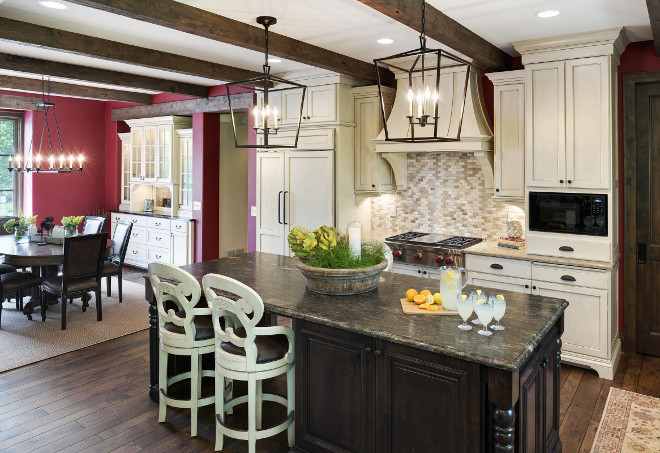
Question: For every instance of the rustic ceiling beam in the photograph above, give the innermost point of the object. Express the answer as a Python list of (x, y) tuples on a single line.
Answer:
[(445, 30), (85, 73), (9, 101), (75, 43), (654, 14), (188, 19), (65, 89), (217, 104)]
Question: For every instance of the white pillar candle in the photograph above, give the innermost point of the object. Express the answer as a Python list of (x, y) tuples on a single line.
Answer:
[(355, 240)]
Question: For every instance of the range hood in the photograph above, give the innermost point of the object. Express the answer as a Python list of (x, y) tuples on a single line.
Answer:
[(476, 135)]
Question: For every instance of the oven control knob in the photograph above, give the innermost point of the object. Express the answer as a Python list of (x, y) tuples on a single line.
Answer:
[(418, 256), (397, 254), (448, 261), (438, 259)]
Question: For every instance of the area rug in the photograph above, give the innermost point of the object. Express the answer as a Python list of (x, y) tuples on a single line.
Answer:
[(630, 423), (23, 342)]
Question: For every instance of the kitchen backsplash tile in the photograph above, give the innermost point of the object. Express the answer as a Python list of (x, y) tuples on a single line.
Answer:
[(446, 195)]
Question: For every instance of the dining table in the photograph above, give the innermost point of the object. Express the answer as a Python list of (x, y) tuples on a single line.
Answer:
[(42, 259)]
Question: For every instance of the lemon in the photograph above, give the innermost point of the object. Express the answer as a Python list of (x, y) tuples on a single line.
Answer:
[(430, 300), (433, 308), (437, 298), (445, 278), (479, 292), (424, 306), (450, 274), (500, 297), (451, 286), (463, 296)]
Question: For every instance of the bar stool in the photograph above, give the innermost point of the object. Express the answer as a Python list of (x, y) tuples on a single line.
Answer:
[(184, 330), (249, 353)]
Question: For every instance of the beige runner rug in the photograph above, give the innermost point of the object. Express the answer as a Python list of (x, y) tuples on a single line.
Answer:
[(23, 341), (630, 423)]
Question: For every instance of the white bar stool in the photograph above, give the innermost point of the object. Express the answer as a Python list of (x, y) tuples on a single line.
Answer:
[(187, 331), (248, 353)]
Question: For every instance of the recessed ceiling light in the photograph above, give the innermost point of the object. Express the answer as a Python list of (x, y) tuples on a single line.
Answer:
[(385, 41), (52, 4), (547, 13), (274, 60)]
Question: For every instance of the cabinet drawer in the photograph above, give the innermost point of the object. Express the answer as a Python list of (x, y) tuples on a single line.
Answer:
[(136, 220), (136, 253), (486, 281), (156, 254), (180, 226), (569, 275), (138, 235), (162, 224), (158, 238), (568, 246), (498, 266)]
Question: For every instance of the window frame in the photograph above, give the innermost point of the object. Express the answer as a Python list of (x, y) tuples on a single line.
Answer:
[(17, 118)]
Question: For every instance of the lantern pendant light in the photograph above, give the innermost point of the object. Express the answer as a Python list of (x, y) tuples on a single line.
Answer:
[(53, 164), (420, 71), (270, 91)]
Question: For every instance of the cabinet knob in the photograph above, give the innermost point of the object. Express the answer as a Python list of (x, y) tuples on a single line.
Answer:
[(424, 272), (377, 352), (373, 185), (526, 286), (419, 271), (367, 349), (497, 190), (561, 181), (569, 181), (533, 287)]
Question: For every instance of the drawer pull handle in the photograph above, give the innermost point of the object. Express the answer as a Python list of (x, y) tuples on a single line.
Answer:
[(158, 238), (178, 227), (158, 256), (496, 266), (157, 223), (367, 349), (378, 352), (568, 278), (135, 252), (566, 248)]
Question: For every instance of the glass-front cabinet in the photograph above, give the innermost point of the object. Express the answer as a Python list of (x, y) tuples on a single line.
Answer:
[(125, 183), (186, 175)]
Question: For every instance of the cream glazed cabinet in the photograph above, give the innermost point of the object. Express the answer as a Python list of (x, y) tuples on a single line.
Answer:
[(156, 238)]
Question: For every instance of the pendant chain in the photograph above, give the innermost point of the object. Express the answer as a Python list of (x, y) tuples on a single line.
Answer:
[(422, 36)]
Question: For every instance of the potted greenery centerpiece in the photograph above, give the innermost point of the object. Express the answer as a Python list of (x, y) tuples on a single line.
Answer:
[(71, 224), (330, 266), (20, 227)]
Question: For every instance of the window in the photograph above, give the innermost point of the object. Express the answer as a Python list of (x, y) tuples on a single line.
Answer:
[(10, 143)]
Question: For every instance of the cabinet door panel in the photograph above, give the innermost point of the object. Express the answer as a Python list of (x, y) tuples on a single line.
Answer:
[(179, 252), (270, 187), (150, 151), (510, 141), (588, 123), (291, 106), (309, 186), (531, 404), (137, 135), (365, 159), (164, 153), (321, 103), (545, 125)]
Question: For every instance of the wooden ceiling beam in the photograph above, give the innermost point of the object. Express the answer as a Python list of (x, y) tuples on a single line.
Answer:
[(75, 43), (65, 89), (444, 29), (85, 73), (188, 19), (217, 104), (653, 7), (9, 101)]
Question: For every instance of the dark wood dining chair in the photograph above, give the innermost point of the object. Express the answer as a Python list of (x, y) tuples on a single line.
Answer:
[(115, 260), (17, 282), (81, 273), (93, 225)]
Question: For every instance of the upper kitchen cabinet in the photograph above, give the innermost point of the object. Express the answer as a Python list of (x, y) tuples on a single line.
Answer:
[(509, 159), (372, 172), (319, 106), (570, 109), (154, 155), (125, 185)]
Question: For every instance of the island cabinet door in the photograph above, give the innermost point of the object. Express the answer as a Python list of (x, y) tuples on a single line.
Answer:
[(426, 402), (334, 390)]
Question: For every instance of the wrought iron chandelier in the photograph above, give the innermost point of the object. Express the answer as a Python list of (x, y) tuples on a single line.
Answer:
[(419, 71), (32, 163), (271, 91)]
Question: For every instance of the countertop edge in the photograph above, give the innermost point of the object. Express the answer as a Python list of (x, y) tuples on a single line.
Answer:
[(158, 216)]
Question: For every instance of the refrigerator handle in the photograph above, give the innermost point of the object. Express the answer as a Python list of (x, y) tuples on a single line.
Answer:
[(279, 207), (284, 210)]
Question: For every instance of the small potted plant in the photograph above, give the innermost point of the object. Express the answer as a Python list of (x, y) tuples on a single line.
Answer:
[(20, 227), (71, 224), (330, 265)]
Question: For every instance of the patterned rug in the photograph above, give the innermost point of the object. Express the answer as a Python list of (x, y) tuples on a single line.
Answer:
[(630, 423), (23, 342)]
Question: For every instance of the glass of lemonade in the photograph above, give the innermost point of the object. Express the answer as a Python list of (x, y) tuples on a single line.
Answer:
[(499, 308), (484, 309), (477, 295), (465, 308)]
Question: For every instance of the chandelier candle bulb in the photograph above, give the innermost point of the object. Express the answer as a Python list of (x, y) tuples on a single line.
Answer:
[(38, 165), (71, 161), (411, 97), (80, 160), (11, 162), (275, 117), (28, 163), (51, 162), (61, 161), (427, 100), (420, 103)]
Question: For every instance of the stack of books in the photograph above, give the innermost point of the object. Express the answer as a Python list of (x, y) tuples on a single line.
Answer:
[(512, 243)]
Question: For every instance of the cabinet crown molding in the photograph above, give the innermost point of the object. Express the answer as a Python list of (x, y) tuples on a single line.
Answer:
[(371, 91), (507, 77), (612, 42)]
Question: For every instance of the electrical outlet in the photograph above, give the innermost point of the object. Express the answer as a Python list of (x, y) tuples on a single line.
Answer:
[(253, 211), (197, 205)]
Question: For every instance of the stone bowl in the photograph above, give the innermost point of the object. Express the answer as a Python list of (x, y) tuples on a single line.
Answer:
[(341, 282)]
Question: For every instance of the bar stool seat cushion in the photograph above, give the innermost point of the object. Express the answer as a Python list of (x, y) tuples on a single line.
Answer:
[(269, 347), (6, 268), (203, 326), (54, 285), (19, 279)]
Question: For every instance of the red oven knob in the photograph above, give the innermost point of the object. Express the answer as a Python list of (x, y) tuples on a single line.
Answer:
[(418, 256), (438, 259), (448, 261), (397, 254)]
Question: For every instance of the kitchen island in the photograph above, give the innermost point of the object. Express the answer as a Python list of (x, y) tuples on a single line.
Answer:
[(371, 378)]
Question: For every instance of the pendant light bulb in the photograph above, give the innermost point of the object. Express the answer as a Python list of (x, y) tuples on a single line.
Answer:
[(51, 162), (80, 160)]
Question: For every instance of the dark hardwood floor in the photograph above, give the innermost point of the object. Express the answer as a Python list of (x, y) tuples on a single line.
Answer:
[(95, 399)]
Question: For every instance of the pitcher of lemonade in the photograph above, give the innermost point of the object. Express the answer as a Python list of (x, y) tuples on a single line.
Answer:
[(452, 282)]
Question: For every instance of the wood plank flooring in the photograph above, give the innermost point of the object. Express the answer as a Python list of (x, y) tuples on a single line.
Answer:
[(95, 399)]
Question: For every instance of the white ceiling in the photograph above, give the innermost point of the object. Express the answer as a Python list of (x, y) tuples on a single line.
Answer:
[(345, 26)]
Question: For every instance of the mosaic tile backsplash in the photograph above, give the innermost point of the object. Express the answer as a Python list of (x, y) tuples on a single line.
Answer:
[(445, 195)]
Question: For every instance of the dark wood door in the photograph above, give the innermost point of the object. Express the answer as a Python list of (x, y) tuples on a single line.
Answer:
[(647, 132), (334, 390), (426, 402)]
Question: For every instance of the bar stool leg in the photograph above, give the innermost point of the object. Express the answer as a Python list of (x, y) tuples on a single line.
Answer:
[(259, 403), (230, 395), (291, 402), (162, 384), (252, 416), (194, 392), (219, 408)]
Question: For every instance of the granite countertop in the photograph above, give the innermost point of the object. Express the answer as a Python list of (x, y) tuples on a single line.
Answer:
[(490, 248), (378, 313), (151, 214)]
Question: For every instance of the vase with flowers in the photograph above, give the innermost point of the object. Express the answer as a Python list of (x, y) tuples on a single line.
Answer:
[(70, 224), (20, 227)]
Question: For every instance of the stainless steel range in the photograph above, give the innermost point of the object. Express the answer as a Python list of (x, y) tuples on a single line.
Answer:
[(425, 249)]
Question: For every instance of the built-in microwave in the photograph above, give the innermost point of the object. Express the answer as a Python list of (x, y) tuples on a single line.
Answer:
[(571, 213)]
